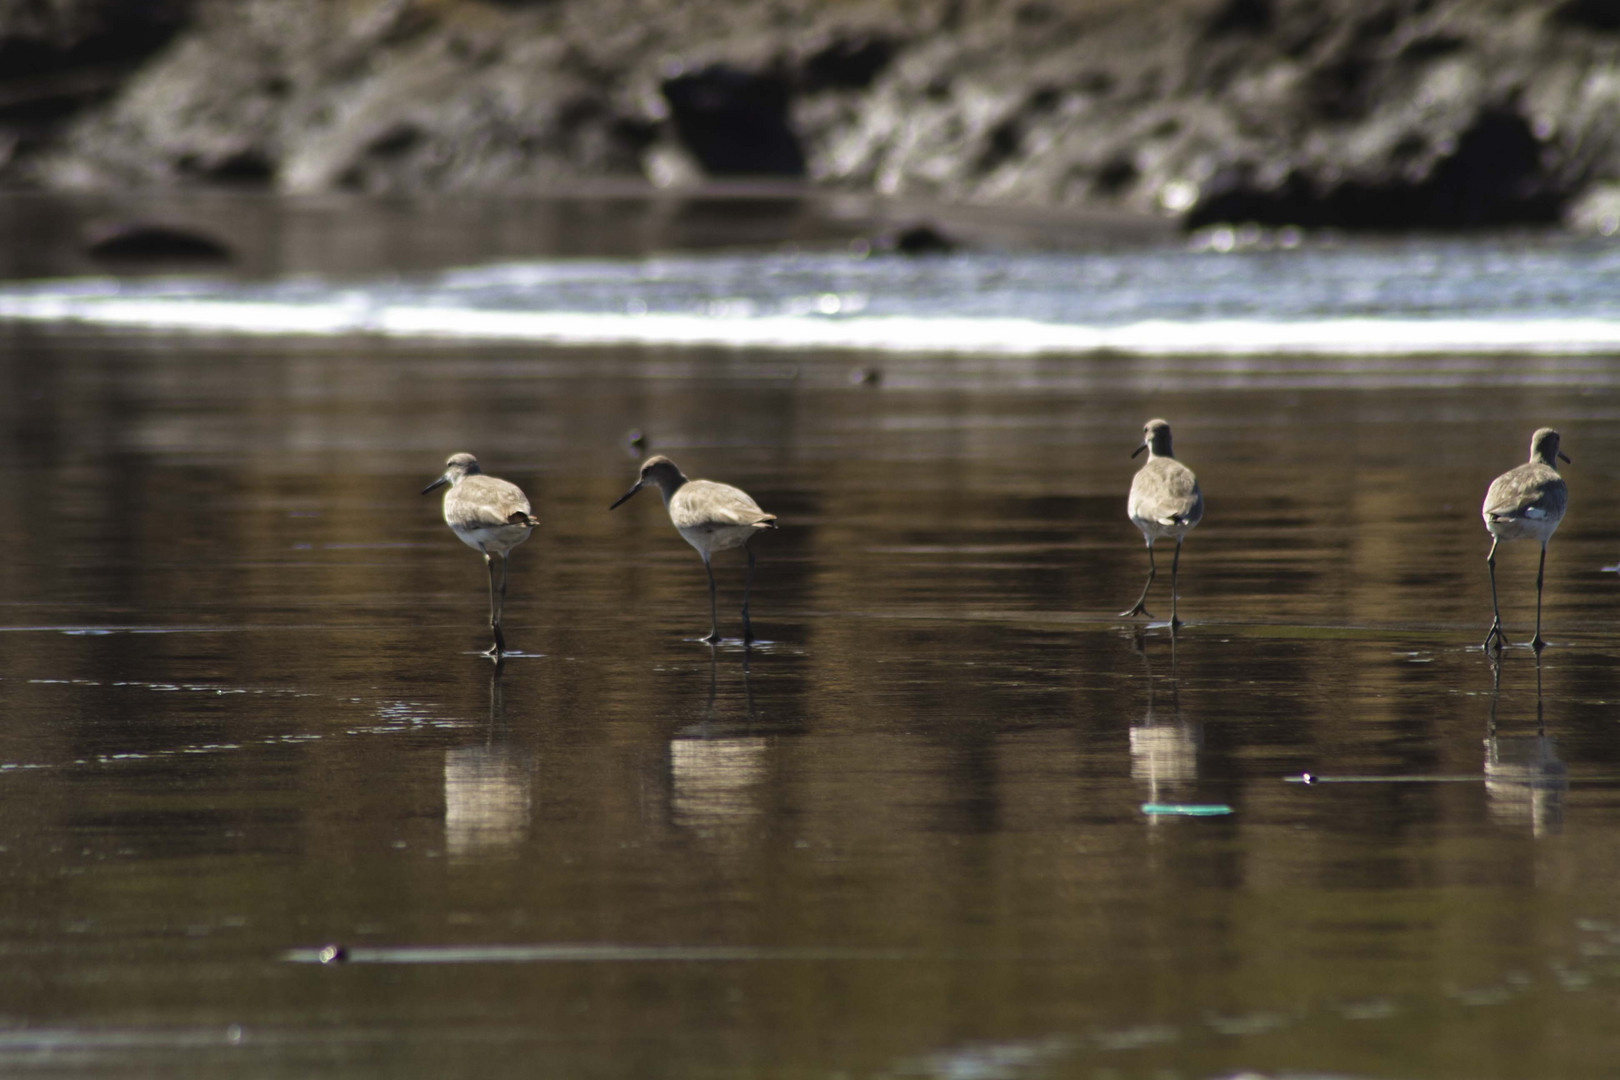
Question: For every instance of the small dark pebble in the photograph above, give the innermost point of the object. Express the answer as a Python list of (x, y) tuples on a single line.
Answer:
[(145, 240), (866, 376), (636, 439), (333, 954)]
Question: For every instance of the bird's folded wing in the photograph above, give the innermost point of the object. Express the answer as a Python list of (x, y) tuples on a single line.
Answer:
[(740, 515), (494, 516), (1517, 502)]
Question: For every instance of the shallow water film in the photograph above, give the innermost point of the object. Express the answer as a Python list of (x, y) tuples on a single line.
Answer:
[(950, 816)]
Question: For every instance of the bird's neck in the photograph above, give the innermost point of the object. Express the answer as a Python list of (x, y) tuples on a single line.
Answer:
[(667, 487)]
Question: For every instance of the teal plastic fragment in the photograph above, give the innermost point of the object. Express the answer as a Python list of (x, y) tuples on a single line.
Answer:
[(1187, 809)]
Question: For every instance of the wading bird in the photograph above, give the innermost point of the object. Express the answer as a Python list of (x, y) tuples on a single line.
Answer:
[(490, 516), (1165, 501), (711, 517), (1525, 503)]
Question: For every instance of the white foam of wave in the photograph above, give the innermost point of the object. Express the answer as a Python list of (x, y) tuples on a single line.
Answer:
[(359, 314)]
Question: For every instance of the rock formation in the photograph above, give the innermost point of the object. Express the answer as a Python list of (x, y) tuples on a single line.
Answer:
[(1347, 113)]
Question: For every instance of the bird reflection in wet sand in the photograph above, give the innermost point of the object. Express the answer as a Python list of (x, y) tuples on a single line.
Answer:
[(1525, 780), (1164, 749), (487, 788), (718, 767)]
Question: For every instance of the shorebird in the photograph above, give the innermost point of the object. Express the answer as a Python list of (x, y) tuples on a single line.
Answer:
[(1526, 502), (711, 517), (490, 516), (1165, 501)]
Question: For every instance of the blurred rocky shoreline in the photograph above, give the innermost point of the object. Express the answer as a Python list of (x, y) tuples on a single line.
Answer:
[(1355, 114)]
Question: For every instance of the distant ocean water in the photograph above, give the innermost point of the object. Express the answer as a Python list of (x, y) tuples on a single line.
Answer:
[(1539, 295)]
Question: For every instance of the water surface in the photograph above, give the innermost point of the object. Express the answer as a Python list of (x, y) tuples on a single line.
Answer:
[(903, 835)]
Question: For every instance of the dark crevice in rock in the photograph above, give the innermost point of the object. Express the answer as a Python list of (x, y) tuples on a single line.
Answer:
[(1601, 15), (1240, 17), (1432, 47), (250, 167), (851, 62), (1004, 143), (735, 122), (58, 58), (1116, 175), (87, 33), (1043, 99), (396, 141)]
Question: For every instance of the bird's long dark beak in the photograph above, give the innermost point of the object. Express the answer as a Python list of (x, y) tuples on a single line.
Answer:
[(439, 483), (1564, 458), (1139, 449), (625, 496)]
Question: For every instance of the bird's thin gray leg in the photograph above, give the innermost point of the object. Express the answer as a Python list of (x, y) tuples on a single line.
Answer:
[(1536, 642), (1495, 632), (506, 570), (748, 585), (714, 617), (1140, 608), (494, 609), (1175, 561)]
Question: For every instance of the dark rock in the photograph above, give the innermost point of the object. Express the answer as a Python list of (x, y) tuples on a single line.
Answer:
[(735, 122), (139, 241), (1494, 176), (918, 238)]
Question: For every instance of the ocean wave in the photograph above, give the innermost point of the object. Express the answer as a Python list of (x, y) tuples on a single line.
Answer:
[(817, 329)]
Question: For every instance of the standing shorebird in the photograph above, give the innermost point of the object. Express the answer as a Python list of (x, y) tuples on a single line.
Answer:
[(490, 516), (711, 517), (1526, 502), (1165, 501)]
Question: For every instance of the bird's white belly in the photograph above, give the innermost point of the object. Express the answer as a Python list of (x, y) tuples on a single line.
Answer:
[(1522, 528), (499, 540), (710, 538), (1158, 530)]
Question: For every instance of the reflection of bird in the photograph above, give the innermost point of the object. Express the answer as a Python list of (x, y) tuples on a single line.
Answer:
[(486, 789), (1525, 780), (715, 781), (1525, 503), (490, 516), (1165, 501), (716, 771), (1163, 750), (711, 517)]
